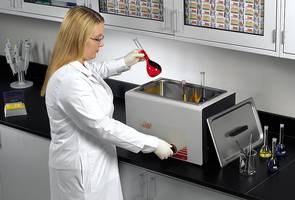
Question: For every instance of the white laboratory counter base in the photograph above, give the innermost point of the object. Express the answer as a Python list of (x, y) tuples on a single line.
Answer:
[(139, 183), (24, 165), (24, 174)]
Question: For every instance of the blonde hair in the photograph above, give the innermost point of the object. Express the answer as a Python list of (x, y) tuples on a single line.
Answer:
[(75, 29)]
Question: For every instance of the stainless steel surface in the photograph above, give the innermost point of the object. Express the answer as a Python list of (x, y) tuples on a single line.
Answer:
[(176, 90), (220, 125), (157, 108)]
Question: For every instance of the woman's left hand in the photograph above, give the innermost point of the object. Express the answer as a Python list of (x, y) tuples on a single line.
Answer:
[(133, 57)]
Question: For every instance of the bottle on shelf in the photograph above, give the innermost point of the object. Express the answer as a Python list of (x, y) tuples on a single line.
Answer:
[(265, 151), (281, 148), (272, 162)]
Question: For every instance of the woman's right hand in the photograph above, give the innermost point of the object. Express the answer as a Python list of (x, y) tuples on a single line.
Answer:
[(163, 150)]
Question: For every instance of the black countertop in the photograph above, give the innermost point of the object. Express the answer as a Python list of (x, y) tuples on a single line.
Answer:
[(261, 186)]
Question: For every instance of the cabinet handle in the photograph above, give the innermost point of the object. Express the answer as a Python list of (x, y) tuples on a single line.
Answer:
[(178, 21), (175, 20), (0, 140), (168, 20), (18, 3), (87, 3), (283, 37), (152, 188), (144, 185), (12, 3), (274, 36), (164, 25)]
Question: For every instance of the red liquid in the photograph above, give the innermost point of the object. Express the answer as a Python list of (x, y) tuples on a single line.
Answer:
[(153, 68)]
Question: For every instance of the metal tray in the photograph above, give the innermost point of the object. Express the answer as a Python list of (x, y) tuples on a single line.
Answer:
[(175, 90), (235, 124)]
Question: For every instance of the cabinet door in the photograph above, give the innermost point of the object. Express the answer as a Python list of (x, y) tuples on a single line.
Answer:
[(289, 29), (1, 164), (149, 15), (47, 8), (140, 184), (36, 152), (11, 165), (229, 23), (134, 182), (162, 187), (24, 165)]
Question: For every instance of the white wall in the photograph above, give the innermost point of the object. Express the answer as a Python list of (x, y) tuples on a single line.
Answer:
[(269, 80)]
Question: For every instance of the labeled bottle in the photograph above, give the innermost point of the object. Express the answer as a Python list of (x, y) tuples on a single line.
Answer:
[(265, 151), (281, 148), (273, 163)]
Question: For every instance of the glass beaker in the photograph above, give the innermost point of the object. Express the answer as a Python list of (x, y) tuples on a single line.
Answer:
[(247, 163)]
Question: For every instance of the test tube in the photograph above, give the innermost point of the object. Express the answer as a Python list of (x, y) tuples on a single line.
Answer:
[(202, 77)]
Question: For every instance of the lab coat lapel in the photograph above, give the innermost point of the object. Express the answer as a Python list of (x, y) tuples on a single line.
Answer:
[(97, 79)]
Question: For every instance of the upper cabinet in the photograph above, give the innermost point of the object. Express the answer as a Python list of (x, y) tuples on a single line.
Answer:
[(288, 29), (258, 26), (228, 23), (44, 9), (53, 8), (146, 15)]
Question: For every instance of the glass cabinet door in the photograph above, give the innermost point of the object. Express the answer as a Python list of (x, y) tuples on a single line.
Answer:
[(147, 15), (246, 23), (289, 28), (51, 8), (58, 3)]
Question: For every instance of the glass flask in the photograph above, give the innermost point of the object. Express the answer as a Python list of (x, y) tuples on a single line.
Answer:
[(273, 163), (265, 151), (281, 148)]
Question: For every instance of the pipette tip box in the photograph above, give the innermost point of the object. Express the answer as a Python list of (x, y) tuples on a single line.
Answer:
[(14, 103)]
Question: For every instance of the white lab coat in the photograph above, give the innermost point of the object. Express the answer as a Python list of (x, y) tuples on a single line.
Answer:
[(82, 156)]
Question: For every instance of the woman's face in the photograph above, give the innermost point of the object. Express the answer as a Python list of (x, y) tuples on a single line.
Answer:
[(94, 42)]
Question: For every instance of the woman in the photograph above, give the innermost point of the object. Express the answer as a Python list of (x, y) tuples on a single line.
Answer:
[(82, 156)]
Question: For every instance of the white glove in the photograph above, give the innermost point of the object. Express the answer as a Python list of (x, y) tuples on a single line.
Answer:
[(133, 57), (163, 151)]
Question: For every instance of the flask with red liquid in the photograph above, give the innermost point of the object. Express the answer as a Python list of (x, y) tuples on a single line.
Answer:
[(153, 68)]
